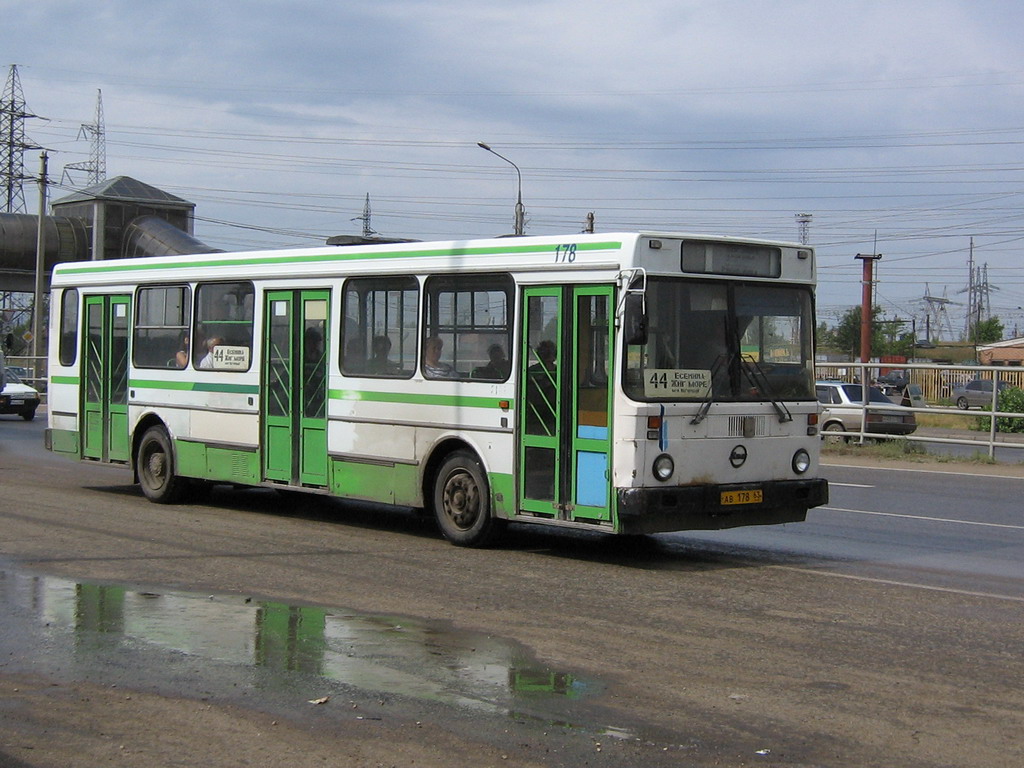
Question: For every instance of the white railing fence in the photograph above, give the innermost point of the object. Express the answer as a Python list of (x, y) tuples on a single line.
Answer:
[(937, 383)]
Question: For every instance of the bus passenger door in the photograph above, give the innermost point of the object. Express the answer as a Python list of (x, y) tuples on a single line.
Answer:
[(105, 378), (295, 387), (565, 403), (590, 423)]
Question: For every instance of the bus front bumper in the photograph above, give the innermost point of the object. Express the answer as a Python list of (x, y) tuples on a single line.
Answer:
[(701, 507)]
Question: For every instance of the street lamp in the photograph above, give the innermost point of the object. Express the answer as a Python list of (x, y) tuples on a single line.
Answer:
[(520, 211)]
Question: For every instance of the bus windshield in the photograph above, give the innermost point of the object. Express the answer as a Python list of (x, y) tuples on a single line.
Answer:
[(723, 341)]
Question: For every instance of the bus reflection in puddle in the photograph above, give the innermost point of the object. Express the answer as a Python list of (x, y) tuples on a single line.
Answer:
[(380, 654)]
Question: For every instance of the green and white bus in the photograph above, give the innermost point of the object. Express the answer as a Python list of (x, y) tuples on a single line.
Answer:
[(626, 383)]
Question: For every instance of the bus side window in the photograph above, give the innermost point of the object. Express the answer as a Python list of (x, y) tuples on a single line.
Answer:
[(379, 317), (224, 317), (68, 326), (471, 318), (161, 322)]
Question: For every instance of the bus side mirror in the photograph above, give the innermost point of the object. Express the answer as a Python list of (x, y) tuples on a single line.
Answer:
[(634, 321)]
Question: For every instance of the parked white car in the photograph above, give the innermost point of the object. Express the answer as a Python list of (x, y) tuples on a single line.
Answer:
[(843, 409), (18, 397)]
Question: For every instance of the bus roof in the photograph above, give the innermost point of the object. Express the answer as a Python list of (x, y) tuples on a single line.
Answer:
[(607, 251)]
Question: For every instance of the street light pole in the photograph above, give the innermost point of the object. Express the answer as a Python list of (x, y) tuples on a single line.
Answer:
[(520, 211)]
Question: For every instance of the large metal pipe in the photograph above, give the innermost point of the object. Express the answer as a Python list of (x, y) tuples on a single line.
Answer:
[(67, 239), (152, 236)]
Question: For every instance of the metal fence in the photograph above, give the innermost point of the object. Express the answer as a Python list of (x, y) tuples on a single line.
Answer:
[(937, 383)]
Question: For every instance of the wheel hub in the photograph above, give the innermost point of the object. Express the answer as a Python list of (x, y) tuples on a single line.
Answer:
[(461, 501), (157, 465)]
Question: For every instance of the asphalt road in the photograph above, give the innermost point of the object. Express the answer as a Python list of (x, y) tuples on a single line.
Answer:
[(884, 631)]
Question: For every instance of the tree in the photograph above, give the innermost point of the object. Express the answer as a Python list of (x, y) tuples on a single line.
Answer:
[(987, 331), (845, 337)]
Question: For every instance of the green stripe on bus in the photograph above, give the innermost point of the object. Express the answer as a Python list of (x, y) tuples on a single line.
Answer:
[(459, 401), (145, 264), (64, 380), (195, 386)]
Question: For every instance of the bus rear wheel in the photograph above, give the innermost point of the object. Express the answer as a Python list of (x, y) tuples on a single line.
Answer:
[(154, 462), (462, 502)]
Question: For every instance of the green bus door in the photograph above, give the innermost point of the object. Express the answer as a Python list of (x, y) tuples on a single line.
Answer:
[(295, 387), (565, 403), (105, 378)]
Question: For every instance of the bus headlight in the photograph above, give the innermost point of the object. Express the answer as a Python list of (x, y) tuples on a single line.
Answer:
[(801, 461), (664, 467)]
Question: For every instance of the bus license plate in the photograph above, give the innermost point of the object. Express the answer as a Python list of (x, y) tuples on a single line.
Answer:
[(742, 497)]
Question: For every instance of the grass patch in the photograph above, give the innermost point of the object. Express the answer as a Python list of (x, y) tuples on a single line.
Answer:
[(946, 420), (901, 449)]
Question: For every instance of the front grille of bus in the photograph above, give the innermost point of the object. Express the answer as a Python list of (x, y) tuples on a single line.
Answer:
[(747, 426)]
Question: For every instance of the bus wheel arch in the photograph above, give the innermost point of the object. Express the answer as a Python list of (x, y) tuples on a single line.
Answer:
[(155, 464), (459, 493)]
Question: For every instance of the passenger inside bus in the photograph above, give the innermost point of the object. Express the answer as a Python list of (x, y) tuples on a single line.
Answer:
[(381, 362), (181, 356), (433, 366), (355, 357), (207, 362), (541, 378), (498, 366)]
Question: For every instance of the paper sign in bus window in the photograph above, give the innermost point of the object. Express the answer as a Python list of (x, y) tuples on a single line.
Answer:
[(677, 382), (229, 358)]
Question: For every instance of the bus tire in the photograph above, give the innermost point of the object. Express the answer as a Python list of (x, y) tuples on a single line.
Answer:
[(462, 502), (154, 462)]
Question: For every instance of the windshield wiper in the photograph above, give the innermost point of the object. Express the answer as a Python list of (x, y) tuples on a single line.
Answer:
[(705, 404), (759, 380), (754, 374)]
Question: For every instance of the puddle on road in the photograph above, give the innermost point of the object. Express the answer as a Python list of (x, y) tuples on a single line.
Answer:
[(118, 635)]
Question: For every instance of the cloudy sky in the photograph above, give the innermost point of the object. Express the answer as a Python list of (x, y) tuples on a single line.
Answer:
[(897, 124)]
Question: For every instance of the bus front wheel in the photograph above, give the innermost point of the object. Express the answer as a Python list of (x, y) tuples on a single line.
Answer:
[(154, 462), (462, 502)]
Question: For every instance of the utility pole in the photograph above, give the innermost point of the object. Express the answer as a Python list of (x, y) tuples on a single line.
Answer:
[(37, 303), (803, 227), (96, 167), (13, 114), (368, 231), (971, 292), (867, 282)]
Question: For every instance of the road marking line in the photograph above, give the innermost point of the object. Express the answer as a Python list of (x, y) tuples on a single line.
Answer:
[(893, 582), (930, 519), (832, 484), (925, 471)]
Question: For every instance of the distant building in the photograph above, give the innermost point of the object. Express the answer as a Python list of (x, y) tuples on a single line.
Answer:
[(1009, 352)]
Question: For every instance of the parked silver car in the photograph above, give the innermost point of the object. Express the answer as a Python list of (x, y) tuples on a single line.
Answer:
[(976, 393), (842, 410)]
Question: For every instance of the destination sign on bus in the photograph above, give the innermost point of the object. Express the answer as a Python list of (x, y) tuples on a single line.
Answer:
[(739, 259), (228, 358), (677, 382)]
